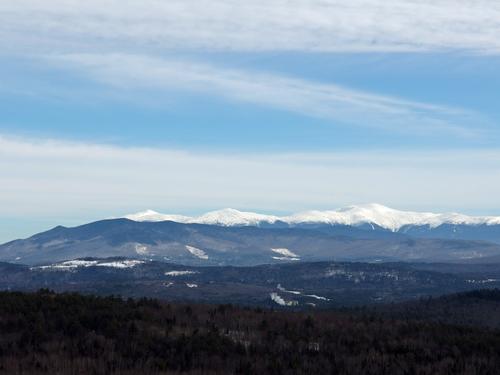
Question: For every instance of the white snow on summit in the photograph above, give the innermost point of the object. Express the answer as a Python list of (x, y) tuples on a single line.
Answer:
[(374, 214), (386, 217), (232, 217), (153, 216), (225, 217)]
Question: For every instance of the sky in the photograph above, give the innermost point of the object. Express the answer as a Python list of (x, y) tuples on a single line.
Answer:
[(109, 107)]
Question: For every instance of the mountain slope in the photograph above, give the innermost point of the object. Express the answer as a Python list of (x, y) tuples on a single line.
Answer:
[(198, 244), (374, 217)]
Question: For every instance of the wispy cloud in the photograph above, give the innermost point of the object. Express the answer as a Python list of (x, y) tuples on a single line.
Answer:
[(336, 103), (80, 34), (258, 25), (50, 178)]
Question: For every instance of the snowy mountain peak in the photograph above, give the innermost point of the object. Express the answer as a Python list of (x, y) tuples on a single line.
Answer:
[(150, 215), (387, 218), (373, 213), (231, 217)]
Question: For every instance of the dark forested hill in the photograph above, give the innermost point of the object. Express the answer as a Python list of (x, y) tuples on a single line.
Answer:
[(297, 285), (45, 333), (474, 308)]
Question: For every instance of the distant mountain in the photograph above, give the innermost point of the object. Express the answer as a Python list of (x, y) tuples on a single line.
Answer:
[(201, 244), (374, 217), (294, 285)]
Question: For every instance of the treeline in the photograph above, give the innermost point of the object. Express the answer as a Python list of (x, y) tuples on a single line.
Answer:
[(47, 333)]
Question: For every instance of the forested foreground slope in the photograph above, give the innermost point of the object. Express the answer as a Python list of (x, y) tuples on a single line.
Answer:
[(73, 334), (479, 308)]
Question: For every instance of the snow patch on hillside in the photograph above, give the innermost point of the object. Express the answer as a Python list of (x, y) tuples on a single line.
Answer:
[(180, 273), (284, 252), (197, 252), (285, 258), (78, 263), (68, 265), (281, 301), (121, 264), (141, 249), (296, 292), (280, 288), (317, 297), (485, 281)]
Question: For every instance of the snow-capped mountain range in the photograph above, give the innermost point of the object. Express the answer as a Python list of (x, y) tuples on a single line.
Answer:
[(230, 237), (371, 214)]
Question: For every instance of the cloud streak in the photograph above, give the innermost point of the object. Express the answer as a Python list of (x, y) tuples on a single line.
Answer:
[(259, 25), (335, 103), (118, 43)]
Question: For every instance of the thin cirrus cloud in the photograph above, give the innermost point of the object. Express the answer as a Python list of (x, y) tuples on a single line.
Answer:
[(53, 177), (332, 102), (136, 33), (259, 25)]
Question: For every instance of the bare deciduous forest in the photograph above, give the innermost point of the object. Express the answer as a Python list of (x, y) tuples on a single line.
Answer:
[(48, 333)]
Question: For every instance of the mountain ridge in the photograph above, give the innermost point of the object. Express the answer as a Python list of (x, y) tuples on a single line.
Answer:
[(297, 285), (372, 233), (356, 215), (202, 244)]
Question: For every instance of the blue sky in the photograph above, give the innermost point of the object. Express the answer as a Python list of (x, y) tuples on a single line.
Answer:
[(108, 107), (68, 104)]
